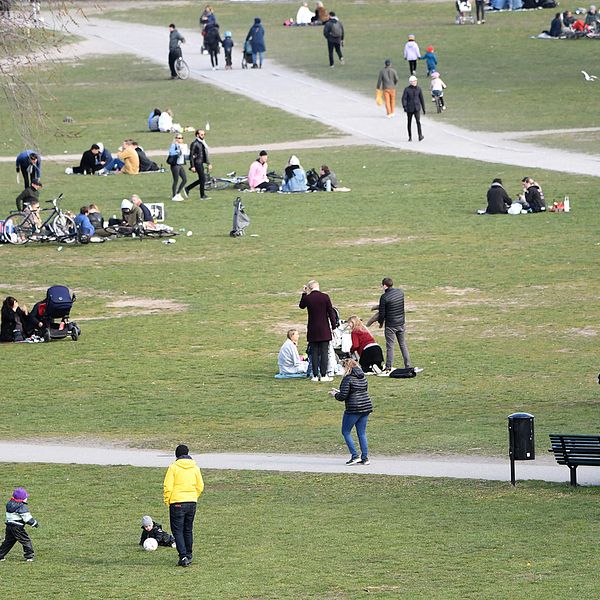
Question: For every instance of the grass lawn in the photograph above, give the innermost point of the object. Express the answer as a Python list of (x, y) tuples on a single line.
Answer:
[(499, 79), (288, 536), (583, 141), (182, 340)]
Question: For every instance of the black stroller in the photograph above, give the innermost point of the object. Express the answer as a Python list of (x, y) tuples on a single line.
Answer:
[(53, 312), (240, 219)]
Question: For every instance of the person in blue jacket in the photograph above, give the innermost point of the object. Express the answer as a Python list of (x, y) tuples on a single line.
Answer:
[(84, 225), (294, 179), (256, 37), (29, 163), (431, 59)]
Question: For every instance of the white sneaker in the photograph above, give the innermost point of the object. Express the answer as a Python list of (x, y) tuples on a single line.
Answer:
[(177, 198), (315, 379), (375, 369), (183, 193), (69, 171), (326, 378), (418, 369)]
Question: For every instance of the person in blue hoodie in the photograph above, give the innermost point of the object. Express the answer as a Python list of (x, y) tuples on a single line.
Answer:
[(84, 225), (17, 516), (294, 179), (431, 59), (354, 392), (29, 163)]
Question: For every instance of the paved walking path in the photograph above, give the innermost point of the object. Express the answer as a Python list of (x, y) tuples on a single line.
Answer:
[(350, 112), (458, 467)]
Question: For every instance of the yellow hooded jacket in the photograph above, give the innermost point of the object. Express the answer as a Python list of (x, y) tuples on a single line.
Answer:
[(183, 482)]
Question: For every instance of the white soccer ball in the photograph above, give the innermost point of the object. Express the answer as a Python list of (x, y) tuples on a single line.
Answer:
[(150, 544)]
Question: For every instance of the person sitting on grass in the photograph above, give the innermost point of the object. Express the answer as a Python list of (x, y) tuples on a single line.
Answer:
[(33, 210), (152, 529), (498, 201), (258, 180), (127, 161), (534, 197), (153, 119), (14, 324), (85, 229), (29, 194), (89, 163), (289, 360), (131, 215), (95, 217), (294, 179), (146, 165)]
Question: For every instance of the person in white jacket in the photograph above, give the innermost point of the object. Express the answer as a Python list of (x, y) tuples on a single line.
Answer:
[(289, 360), (304, 15), (412, 53)]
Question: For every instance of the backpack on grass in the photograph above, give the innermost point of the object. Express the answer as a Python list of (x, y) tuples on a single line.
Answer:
[(403, 373)]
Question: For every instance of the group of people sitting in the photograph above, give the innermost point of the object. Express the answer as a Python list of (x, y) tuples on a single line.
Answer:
[(162, 120), (17, 324), (565, 25), (531, 200), (306, 16)]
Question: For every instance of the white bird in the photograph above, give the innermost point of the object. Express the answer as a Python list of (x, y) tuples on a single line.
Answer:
[(589, 77)]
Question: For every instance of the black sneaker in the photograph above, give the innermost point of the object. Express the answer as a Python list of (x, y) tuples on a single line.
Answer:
[(353, 460), (365, 461), (183, 562)]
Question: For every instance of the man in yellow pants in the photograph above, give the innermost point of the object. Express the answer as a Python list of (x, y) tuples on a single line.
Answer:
[(388, 79)]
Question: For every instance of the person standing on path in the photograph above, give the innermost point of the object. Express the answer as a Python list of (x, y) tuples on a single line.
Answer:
[(387, 82), (321, 320), (413, 104), (412, 53), (175, 39), (333, 30), (182, 487), (256, 37), (354, 392), (391, 313), (199, 158), (29, 164)]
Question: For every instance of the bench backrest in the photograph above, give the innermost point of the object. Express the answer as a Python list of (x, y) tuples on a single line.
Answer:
[(575, 449)]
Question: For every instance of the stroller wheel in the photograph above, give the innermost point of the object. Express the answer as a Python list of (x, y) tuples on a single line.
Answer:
[(46, 335), (75, 332)]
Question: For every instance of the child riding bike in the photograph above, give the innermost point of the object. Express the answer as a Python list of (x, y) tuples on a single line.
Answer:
[(437, 89)]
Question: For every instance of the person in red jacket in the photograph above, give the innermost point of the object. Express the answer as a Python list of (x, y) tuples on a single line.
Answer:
[(364, 344)]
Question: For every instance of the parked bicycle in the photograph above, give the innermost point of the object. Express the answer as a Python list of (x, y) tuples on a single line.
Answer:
[(230, 180), (22, 227)]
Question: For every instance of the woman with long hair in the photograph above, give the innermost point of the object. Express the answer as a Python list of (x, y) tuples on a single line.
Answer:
[(364, 344), (178, 152)]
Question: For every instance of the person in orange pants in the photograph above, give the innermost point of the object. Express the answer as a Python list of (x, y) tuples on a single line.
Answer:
[(387, 81)]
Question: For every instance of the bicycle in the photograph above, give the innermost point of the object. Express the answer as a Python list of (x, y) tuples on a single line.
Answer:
[(21, 227), (230, 180), (181, 67)]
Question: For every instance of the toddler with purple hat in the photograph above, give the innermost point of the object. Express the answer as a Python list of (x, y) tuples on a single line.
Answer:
[(17, 516)]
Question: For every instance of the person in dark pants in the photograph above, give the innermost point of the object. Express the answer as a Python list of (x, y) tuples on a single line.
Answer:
[(333, 31), (182, 487), (175, 38), (29, 194), (354, 392), (391, 313), (17, 516), (199, 158), (413, 104), (321, 320), (479, 7), (29, 164)]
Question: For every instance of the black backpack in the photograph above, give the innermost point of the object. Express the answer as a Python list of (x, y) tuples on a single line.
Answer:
[(336, 30), (312, 178), (403, 373)]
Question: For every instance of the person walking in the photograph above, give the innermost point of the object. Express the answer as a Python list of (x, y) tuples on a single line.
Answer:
[(391, 314), (212, 42), (256, 37), (412, 53), (354, 392), (29, 164), (387, 82), (321, 320), (333, 30), (413, 104), (17, 516), (178, 152), (199, 158), (182, 487), (175, 39)]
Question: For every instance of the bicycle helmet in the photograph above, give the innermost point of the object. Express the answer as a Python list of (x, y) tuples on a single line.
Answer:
[(435, 75), (126, 204), (411, 79), (227, 34)]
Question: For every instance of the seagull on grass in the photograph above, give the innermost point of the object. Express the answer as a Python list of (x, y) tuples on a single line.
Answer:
[(589, 77)]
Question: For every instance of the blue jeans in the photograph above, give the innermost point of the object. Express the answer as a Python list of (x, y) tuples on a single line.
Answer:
[(115, 163), (181, 515), (358, 420)]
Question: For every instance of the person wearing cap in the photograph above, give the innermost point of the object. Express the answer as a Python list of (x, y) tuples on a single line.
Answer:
[(387, 82), (412, 53), (30, 194), (258, 179), (431, 59), (182, 487), (152, 529), (29, 163), (413, 104), (294, 179), (333, 31), (17, 516)]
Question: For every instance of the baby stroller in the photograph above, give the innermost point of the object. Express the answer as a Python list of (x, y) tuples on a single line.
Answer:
[(240, 219), (465, 12), (53, 312), (247, 55)]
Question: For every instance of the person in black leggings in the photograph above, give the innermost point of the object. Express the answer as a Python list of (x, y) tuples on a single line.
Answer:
[(177, 153)]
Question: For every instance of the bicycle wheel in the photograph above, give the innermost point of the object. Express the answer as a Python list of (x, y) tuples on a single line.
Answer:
[(182, 69), (64, 229), (220, 184), (438, 104), (17, 229)]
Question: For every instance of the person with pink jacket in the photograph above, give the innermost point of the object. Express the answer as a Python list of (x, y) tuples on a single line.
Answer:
[(258, 179)]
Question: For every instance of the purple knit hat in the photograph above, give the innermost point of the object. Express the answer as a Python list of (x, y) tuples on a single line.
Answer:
[(20, 494)]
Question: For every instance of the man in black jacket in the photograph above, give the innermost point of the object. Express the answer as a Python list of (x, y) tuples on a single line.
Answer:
[(498, 201), (413, 104), (391, 312), (198, 158), (334, 34)]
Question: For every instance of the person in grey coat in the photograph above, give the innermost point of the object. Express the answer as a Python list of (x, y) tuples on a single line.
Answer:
[(391, 314), (387, 82), (413, 104), (175, 38)]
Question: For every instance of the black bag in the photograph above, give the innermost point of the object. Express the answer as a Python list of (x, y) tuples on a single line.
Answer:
[(403, 373), (172, 159)]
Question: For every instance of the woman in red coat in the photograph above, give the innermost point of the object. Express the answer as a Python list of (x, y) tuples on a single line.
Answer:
[(364, 344)]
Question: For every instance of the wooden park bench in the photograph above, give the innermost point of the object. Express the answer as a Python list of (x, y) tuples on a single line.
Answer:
[(575, 451)]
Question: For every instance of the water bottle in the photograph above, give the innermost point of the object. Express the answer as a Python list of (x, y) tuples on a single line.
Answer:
[(567, 204), (328, 185), (207, 126)]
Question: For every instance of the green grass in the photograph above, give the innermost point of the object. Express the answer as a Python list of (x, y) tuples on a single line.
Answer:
[(289, 536), (502, 311), (582, 141), (499, 79)]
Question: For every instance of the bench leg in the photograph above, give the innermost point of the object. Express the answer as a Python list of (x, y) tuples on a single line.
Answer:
[(573, 471)]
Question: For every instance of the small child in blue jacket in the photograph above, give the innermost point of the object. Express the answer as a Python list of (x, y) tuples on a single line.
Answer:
[(227, 47), (17, 516), (431, 59)]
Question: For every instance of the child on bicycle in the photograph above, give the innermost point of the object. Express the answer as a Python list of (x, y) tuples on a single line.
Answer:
[(437, 88)]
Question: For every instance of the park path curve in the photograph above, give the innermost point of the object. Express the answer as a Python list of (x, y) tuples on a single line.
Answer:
[(350, 112), (456, 467)]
